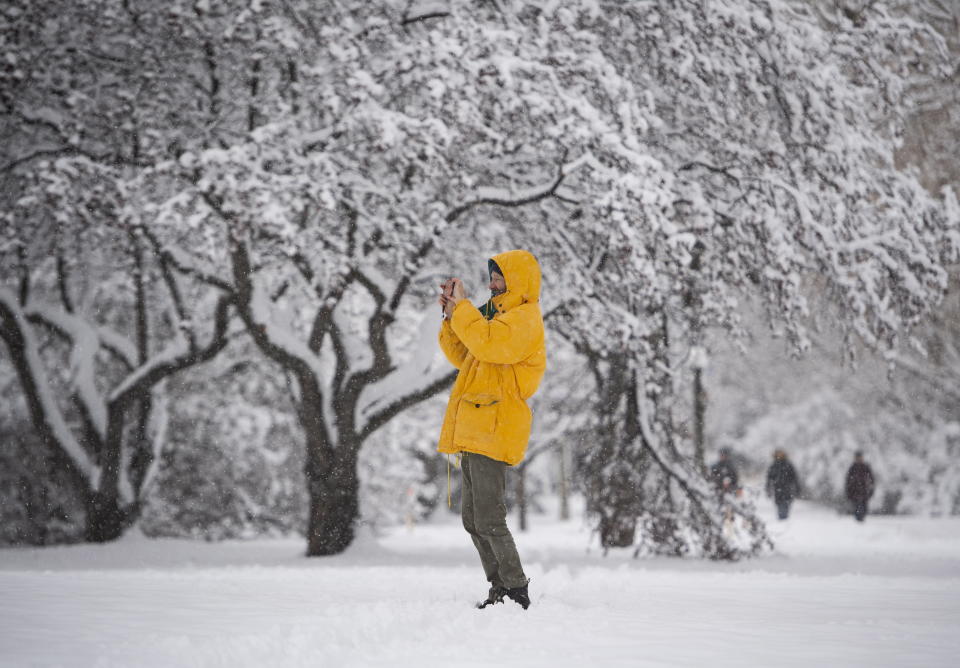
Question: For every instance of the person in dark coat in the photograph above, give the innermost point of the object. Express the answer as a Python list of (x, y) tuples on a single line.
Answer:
[(859, 485), (782, 483), (723, 473)]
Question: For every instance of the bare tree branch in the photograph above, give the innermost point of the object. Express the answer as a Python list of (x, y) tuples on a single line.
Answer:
[(167, 256), (384, 415), (151, 374)]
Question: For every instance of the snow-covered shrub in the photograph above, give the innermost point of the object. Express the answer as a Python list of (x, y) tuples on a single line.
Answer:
[(233, 465)]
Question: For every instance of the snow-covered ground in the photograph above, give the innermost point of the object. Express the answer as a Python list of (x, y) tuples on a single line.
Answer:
[(885, 593)]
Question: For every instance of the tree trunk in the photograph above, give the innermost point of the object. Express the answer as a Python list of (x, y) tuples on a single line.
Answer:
[(334, 502), (564, 487), (699, 412), (614, 470), (106, 520), (332, 482)]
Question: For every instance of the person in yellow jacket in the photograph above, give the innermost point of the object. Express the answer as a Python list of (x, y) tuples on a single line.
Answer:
[(500, 352)]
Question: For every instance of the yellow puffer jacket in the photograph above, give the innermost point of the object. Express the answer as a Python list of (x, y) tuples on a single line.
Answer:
[(501, 362)]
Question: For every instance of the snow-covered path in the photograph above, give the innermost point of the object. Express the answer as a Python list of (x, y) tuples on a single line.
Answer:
[(886, 593)]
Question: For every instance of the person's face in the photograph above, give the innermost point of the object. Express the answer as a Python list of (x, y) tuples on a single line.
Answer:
[(497, 285)]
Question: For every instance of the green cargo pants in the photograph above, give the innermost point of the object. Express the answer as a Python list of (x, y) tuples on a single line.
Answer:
[(484, 514)]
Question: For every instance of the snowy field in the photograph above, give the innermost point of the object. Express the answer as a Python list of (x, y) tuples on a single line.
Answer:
[(886, 593)]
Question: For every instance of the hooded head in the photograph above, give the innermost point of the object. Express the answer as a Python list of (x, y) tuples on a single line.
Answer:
[(498, 284), (521, 273)]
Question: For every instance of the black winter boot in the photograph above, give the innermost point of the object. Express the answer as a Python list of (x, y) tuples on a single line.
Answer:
[(495, 595), (520, 595)]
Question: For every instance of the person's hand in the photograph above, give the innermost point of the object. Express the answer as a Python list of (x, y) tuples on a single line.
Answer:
[(446, 298), (451, 292), (458, 291)]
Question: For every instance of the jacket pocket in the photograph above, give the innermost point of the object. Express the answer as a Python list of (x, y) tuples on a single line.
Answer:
[(477, 417)]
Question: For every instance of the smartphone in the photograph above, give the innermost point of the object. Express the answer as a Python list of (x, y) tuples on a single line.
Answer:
[(447, 292)]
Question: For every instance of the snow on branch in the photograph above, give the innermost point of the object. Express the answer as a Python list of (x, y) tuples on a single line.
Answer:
[(84, 343), (118, 345), (278, 340), (159, 427), (424, 11), (46, 414), (697, 496), (488, 197), (405, 386), (508, 198), (173, 358), (175, 258)]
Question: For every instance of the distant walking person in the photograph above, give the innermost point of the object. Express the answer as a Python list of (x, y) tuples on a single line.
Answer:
[(782, 483), (500, 352), (859, 485), (724, 473)]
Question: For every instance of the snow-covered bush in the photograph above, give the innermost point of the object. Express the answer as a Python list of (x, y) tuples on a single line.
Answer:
[(233, 465)]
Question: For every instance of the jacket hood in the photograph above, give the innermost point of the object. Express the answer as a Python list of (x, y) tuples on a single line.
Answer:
[(521, 273)]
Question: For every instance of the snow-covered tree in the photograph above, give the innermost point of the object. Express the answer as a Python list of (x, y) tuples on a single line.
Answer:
[(322, 220), (767, 163), (92, 320), (897, 408), (315, 166), (931, 139), (92, 328)]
